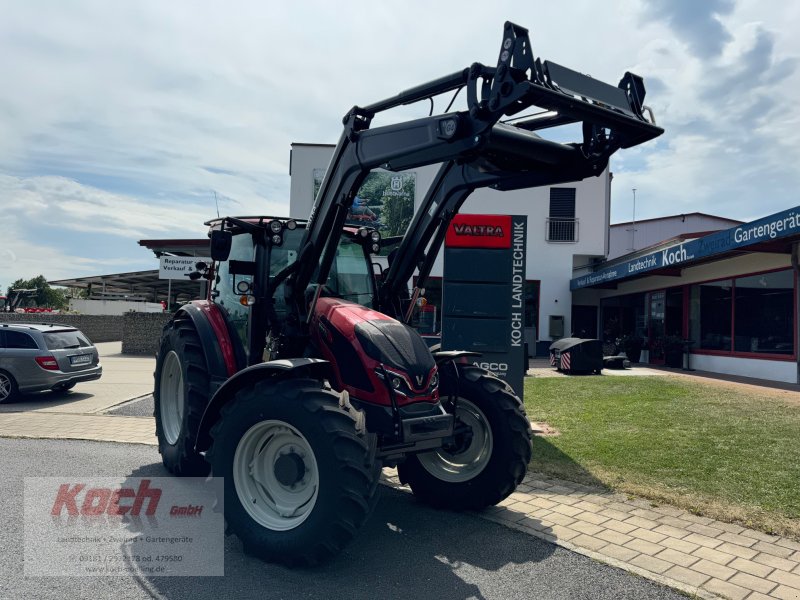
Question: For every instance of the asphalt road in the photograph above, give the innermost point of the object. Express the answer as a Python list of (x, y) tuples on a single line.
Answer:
[(137, 408), (406, 550)]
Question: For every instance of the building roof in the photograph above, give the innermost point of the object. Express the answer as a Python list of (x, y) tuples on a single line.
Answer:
[(774, 233), (181, 247), (691, 214)]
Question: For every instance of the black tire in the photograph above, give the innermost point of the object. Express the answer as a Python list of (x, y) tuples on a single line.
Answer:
[(9, 391), (178, 455), (510, 452), (348, 473)]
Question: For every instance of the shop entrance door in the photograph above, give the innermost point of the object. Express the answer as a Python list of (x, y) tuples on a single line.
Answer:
[(656, 304)]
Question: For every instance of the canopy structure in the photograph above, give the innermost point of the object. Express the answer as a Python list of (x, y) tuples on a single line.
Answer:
[(137, 285), (145, 285)]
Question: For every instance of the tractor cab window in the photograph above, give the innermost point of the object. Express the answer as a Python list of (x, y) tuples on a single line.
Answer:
[(225, 294), (281, 257), (351, 276)]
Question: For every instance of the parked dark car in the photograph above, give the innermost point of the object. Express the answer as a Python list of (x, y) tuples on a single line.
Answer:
[(39, 357)]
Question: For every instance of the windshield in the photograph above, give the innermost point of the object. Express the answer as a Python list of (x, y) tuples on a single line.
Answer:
[(350, 277), (66, 340)]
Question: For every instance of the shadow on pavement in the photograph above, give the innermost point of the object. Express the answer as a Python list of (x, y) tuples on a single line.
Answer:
[(37, 400), (549, 460), (405, 549)]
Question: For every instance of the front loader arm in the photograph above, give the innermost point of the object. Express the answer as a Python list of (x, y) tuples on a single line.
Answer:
[(476, 150)]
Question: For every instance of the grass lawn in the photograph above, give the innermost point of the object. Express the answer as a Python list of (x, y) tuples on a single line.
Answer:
[(730, 453)]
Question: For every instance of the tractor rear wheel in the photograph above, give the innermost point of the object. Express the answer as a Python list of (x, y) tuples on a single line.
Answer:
[(299, 478), (487, 458), (180, 394)]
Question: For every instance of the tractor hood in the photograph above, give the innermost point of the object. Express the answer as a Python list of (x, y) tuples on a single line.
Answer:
[(361, 343), (397, 346)]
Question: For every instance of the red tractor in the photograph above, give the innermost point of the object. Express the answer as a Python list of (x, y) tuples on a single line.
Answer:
[(298, 378)]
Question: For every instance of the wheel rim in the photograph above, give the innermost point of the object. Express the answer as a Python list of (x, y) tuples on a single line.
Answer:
[(468, 462), (5, 386), (275, 475), (171, 397)]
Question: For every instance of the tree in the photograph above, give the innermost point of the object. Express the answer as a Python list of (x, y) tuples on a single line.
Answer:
[(45, 296)]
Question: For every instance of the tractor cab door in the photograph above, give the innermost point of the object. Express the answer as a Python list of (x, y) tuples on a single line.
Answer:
[(229, 287)]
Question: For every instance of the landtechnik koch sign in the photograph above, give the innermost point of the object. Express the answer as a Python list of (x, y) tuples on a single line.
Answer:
[(771, 228), (104, 526)]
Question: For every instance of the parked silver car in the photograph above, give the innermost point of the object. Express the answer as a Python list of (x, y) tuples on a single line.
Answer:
[(37, 357)]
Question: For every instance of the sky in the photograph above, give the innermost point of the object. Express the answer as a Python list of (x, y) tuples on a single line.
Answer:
[(124, 121)]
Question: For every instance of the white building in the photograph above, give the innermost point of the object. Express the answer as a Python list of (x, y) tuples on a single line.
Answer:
[(731, 294), (567, 228), (633, 236)]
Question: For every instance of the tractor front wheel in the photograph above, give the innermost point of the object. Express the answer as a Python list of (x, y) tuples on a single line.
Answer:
[(299, 478), (490, 450), (181, 395)]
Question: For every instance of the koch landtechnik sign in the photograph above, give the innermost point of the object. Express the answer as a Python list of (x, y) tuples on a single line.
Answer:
[(483, 296), (773, 227)]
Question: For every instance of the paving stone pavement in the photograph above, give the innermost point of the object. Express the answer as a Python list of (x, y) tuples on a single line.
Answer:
[(695, 554)]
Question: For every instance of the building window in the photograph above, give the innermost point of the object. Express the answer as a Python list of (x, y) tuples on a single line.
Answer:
[(764, 307), (532, 304), (562, 226), (747, 315), (710, 309), (427, 319)]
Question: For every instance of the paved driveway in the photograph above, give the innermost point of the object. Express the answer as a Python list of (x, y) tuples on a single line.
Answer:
[(406, 550)]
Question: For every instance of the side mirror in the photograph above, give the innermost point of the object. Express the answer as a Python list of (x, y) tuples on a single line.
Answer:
[(221, 245)]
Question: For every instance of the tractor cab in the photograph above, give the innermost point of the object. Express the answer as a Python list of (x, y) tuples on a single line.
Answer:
[(251, 257)]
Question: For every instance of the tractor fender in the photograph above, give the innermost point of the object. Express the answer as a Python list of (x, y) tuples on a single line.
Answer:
[(445, 356), (218, 362), (314, 368)]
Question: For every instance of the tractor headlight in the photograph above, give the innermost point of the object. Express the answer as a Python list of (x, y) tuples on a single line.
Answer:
[(275, 226), (277, 240), (376, 236), (291, 224), (434, 381), (376, 248), (396, 383)]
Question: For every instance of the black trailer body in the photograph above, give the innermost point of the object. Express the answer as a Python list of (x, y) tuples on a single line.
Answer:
[(577, 355)]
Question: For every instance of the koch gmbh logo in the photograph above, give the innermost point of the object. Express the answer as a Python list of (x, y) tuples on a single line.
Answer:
[(123, 526), (97, 501)]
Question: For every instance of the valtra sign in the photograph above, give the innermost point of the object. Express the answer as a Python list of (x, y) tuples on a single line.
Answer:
[(479, 231)]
